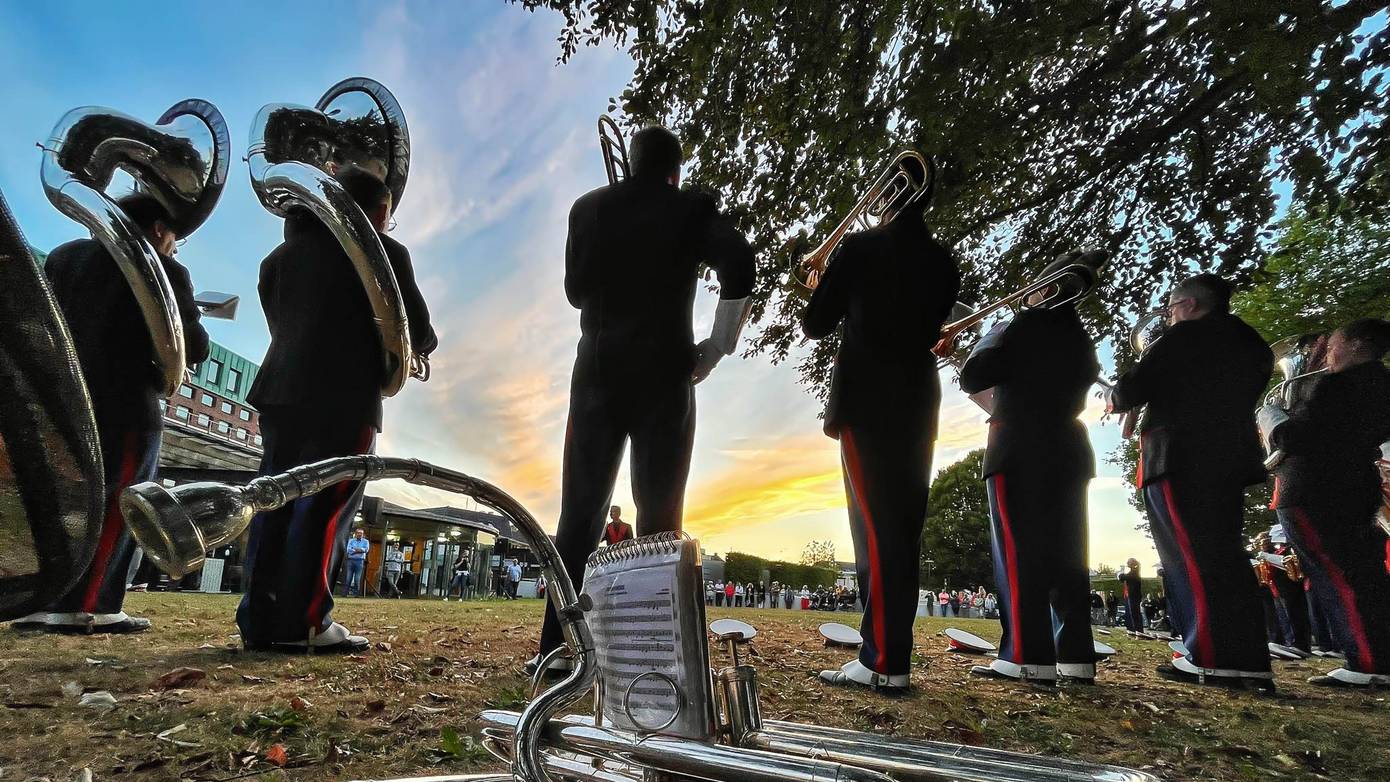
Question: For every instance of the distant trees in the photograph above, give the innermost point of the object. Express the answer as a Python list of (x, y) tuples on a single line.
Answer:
[(819, 553), (956, 535)]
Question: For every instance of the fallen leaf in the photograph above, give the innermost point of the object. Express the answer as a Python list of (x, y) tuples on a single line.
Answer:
[(299, 703), (277, 756), (383, 646), (180, 677), (249, 679)]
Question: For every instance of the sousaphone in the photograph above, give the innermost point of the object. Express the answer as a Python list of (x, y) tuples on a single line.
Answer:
[(294, 152)]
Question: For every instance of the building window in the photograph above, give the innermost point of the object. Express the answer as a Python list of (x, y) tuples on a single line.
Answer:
[(214, 372), (223, 427), (207, 400), (203, 419), (257, 441), (227, 408), (234, 380), (244, 414), (240, 433), (181, 413), (186, 391), (163, 405)]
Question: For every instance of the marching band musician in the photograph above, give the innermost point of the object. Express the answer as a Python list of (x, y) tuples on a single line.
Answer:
[(1037, 465), (1199, 449), (319, 394), (631, 269), (116, 355), (1330, 492), (892, 287)]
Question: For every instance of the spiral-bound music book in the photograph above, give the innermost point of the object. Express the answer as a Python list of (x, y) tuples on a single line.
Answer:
[(648, 623)]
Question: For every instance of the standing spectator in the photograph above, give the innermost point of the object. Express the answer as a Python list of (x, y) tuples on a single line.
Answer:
[(956, 603), (729, 592), (991, 605), (395, 563), (460, 576), (1097, 608), (775, 592), (762, 594), (1129, 579), (751, 595), (357, 548), (805, 596), (930, 597), (541, 585), (788, 596), (738, 595), (719, 594), (513, 578), (709, 593), (1112, 607), (945, 600)]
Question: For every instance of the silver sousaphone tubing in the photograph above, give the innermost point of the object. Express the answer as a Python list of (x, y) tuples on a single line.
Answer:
[(292, 153), (181, 160), (176, 525)]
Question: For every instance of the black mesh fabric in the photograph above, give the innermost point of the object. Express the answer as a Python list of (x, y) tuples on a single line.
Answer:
[(50, 462)]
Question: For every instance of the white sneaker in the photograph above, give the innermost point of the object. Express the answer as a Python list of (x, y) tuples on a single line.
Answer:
[(855, 672)]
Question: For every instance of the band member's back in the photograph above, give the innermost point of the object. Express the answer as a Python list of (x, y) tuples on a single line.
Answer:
[(634, 249), (894, 287)]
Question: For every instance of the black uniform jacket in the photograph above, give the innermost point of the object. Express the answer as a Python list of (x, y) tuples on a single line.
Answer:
[(893, 287), (631, 263), (325, 354), (1332, 440), (1202, 381), (109, 333), (1041, 369)]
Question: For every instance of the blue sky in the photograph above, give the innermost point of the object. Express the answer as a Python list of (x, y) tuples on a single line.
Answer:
[(503, 143)]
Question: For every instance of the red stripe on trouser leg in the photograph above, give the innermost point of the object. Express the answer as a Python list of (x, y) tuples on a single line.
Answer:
[(342, 494), (112, 525), (876, 593), (1010, 566), (1345, 594), (1203, 655)]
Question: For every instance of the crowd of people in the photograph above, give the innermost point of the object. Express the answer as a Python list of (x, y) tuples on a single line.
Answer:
[(969, 604), (732, 594)]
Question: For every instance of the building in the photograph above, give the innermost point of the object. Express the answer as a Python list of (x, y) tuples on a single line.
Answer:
[(211, 431)]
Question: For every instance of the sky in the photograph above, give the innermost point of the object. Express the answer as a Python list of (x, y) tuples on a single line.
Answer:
[(503, 142)]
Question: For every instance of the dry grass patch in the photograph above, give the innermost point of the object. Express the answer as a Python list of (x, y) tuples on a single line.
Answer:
[(410, 705)]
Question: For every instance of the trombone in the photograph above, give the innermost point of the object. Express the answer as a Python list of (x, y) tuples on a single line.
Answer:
[(898, 178), (614, 150), (1072, 281)]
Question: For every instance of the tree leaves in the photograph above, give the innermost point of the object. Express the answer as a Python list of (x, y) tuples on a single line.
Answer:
[(956, 534), (1157, 129)]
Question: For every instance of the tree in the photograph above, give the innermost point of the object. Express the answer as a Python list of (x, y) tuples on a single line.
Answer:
[(956, 535), (1105, 571), (819, 553), (1324, 271), (1153, 128)]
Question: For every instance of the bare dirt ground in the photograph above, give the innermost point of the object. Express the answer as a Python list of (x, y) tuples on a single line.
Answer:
[(409, 706)]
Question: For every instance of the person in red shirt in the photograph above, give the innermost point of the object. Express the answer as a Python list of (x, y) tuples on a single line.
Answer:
[(617, 530)]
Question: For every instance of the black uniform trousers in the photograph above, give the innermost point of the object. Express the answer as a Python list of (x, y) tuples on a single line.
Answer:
[(1134, 614), (294, 553), (1345, 564), (1196, 523), (129, 455), (887, 473), (1038, 535), (658, 416), (1295, 608)]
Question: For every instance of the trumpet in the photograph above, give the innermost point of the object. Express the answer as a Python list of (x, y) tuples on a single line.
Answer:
[(908, 172), (614, 150), (1072, 281)]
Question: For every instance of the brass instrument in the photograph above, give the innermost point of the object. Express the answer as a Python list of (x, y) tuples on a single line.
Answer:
[(717, 733), (1147, 331), (181, 160), (293, 151), (1072, 282), (1291, 360), (876, 203), (50, 459), (1292, 568), (614, 150)]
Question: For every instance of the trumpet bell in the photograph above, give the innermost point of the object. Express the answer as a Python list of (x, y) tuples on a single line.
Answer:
[(177, 527)]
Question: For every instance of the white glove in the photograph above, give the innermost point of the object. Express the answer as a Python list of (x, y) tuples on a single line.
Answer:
[(729, 317), (1108, 397), (707, 355), (1269, 418)]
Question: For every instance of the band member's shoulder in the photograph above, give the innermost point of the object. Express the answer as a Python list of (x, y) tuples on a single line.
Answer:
[(588, 203)]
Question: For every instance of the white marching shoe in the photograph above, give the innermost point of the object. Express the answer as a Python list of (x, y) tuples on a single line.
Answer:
[(855, 672)]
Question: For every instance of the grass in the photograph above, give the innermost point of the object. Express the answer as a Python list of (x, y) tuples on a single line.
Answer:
[(409, 706)]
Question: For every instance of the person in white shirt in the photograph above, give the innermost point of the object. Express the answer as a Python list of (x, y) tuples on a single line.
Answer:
[(738, 595), (395, 563)]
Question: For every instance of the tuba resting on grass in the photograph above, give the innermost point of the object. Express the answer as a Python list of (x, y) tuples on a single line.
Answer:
[(660, 711)]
